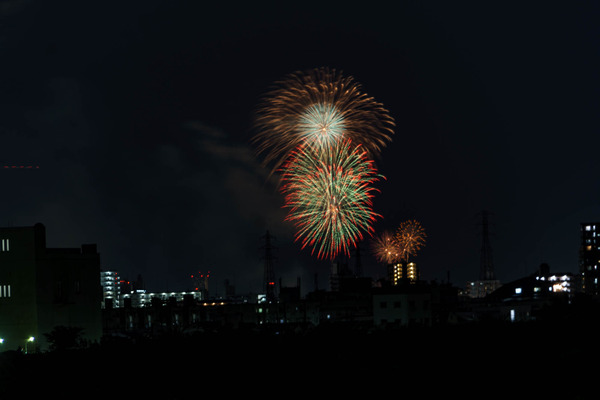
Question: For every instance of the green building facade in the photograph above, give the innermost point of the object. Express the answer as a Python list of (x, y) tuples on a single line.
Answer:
[(42, 288)]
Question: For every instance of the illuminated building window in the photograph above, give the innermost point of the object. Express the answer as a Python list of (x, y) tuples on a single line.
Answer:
[(5, 246), (4, 291), (518, 290)]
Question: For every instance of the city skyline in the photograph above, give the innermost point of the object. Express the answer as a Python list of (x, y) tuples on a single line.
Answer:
[(139, 125)]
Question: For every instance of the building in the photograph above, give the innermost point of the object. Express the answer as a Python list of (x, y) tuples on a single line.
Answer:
[(525, 298), (403, 272), (481, 288), (42, 288), (589, 258), (111, 288), (157, 316), (141, 298), (403, 305)]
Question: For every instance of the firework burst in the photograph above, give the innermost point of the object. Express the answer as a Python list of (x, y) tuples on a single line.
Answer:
[(385, 248), (319, 107), (410, 237), (329, 196)]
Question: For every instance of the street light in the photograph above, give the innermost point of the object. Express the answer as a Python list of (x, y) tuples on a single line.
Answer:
[(30, 340)]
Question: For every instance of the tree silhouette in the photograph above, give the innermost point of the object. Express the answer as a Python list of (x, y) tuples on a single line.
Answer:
[(65, 338)]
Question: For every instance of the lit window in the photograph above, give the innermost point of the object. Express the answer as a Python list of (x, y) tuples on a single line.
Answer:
[(5, 245), (518, 290), (588, 227), (5, 291)]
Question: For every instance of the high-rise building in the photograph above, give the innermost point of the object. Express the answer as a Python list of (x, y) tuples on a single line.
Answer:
[(111, 288), (589, 257), (42, 288), (403, 272)]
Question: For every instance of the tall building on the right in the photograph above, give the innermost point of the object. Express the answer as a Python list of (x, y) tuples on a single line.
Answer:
[(589, 258)]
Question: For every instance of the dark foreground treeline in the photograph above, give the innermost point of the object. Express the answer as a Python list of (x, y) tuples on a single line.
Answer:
[(553, 357)]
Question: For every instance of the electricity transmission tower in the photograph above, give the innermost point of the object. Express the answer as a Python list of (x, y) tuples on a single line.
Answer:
[(269, 277), (486, 272)]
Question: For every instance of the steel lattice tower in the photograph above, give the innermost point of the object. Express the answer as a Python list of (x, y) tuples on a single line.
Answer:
[(358, 270), (269, 278), (486, 272)]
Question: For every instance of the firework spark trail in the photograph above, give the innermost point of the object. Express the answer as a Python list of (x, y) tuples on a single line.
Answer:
[(321, 124), (319, 107), (320, 132), (410, 237), (329, 195), (385, 248)]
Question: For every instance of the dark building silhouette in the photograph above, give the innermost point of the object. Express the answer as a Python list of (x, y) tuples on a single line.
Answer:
[(525, 298), (403, 305), (42, 288)]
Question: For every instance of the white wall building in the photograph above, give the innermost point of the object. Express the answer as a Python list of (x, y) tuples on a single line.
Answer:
[(111, 287)]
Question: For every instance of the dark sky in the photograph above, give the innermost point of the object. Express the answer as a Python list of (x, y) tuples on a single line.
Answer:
[(139, 116)]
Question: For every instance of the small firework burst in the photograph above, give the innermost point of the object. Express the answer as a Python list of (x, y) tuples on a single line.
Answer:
[(319, 107), (410, 237), (385, 248), (329, 196)]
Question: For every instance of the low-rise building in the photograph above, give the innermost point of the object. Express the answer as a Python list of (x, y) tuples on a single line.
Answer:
[(44, 288), (403, 305)]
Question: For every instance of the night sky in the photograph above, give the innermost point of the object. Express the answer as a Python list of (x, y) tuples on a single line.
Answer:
[(139, 117)]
